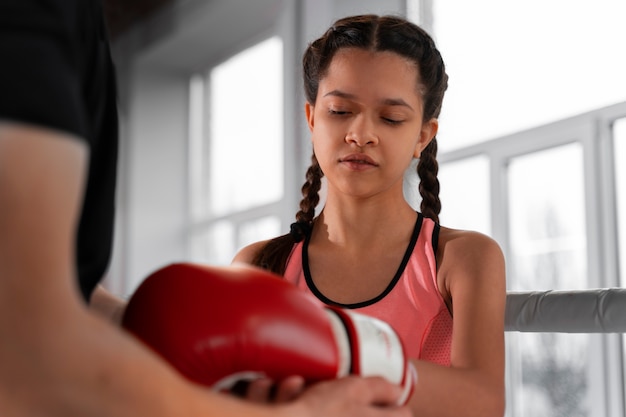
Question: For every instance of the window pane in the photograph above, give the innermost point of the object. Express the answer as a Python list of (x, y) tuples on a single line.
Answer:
[(548, 251), (547, 220), (465, 194), (522, 63), (550, 376), (259, 229), (246, 129), (217, 245), (214, 246)]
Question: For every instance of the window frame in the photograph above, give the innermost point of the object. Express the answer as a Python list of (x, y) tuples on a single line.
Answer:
[(593, 130)]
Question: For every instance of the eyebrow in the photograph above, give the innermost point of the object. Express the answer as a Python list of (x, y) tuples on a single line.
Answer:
[(387, 101)]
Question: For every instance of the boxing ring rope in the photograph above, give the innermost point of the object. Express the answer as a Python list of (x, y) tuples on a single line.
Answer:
[(601, 310)]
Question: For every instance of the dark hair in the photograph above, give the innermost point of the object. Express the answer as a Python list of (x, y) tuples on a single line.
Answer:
[(375, 33)]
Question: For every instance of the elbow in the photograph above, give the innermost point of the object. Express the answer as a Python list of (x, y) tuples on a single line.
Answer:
[(498, 408), (493, 405), (487, 401)]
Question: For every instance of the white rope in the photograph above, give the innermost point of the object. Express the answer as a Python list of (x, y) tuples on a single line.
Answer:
[(601, 310)]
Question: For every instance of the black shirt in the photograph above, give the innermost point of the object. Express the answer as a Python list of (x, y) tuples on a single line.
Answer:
[(56, 71)]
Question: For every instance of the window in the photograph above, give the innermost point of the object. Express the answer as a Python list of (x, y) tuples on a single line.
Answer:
[(236, 152), (547, 241), (534, 87), (522, 63), (465, 194), (246, 117), (547, 220)]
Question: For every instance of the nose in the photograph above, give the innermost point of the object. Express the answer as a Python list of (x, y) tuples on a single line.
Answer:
[(361, 132)]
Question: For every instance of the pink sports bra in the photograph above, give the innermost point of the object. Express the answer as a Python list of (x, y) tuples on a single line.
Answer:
[(411, 303)]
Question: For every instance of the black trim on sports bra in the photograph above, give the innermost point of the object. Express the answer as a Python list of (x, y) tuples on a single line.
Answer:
[(396, 278), (435, 241)]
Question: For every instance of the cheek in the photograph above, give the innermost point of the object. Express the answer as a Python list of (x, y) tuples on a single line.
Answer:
[(322, 148), (320, 145), (403, 154), (327, 134)]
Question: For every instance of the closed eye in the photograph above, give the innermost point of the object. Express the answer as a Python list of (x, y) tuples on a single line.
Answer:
[(338, 112), (392, 122)]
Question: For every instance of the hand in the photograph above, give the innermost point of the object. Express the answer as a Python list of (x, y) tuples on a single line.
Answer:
[(349, 397), (266, 390)]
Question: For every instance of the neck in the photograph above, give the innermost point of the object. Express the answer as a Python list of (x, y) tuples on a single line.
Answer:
[(364, 223)]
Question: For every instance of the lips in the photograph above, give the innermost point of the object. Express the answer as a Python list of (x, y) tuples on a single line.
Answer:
[(359, 159)]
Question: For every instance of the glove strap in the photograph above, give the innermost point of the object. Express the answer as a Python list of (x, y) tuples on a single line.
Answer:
[(371, 347), (342, 339)]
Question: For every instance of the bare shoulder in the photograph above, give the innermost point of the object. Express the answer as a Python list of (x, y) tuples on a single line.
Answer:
[(249, 252), (469, 254), (466, 244)]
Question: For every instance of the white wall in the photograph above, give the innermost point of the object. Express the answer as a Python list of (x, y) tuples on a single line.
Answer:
[(157, 195)]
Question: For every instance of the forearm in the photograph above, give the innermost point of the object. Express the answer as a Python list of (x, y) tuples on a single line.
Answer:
[(83, 367), (447, 391), (89, 367)]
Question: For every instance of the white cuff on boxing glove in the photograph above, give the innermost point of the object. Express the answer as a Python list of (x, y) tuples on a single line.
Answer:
[(371, 347)]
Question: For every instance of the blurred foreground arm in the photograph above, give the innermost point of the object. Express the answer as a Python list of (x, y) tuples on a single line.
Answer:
[(58, 359)]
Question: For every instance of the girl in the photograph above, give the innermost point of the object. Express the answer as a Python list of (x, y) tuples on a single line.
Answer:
[(374, 88)]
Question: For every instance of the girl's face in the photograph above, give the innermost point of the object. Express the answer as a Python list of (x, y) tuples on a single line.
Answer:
[(366, 122)]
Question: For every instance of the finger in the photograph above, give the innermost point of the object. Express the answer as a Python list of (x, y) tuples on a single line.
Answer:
[(289, 388), (259, 390), (354, 397), (379, 391)]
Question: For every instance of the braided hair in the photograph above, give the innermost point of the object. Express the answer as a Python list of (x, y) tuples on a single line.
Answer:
[(373, 33)]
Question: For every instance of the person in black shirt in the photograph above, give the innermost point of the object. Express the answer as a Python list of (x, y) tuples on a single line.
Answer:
[(61, 353)]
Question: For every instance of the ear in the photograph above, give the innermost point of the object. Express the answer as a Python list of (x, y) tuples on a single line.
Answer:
[(427, 133), (309, 110)]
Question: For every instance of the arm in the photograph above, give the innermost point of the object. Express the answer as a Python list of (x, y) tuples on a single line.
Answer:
[(472, 275), (57, 357), (53, 345)]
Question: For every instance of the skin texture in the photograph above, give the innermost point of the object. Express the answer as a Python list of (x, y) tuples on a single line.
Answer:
[(366, 125), (60, 358)]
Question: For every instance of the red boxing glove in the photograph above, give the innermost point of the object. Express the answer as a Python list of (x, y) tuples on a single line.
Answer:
[(221, 325)]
